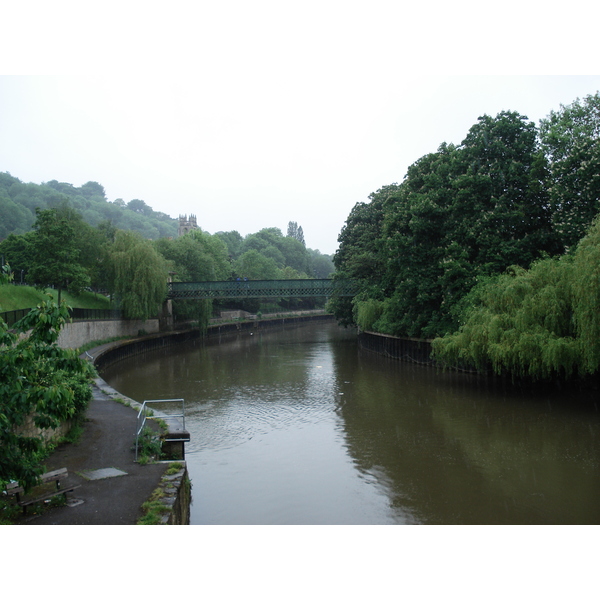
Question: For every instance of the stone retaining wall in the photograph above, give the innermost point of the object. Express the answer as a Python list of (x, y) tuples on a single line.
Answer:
[(79, 333), (175, 495), (30, 429)]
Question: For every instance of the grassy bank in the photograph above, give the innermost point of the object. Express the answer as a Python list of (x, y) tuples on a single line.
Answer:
[(16, 297)]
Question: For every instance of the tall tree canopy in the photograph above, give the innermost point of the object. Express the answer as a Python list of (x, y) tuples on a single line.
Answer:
[(196, 256), (55, 257), (570, 139), (460, 214), (254, 265), (296, 232)]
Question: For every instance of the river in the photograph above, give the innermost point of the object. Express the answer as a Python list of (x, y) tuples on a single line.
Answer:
[(300, 426)]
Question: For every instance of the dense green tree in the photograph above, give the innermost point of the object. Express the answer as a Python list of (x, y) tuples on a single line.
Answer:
[(290, 273), (55, 255), (285, 251), (39, 379), (138, 275), (519, 323), (139, 206), (292, 229), (254, 265), (91, 242), (570, 139), (93, 189), (262, 239), (17, 249), (358, 253), (196, 256), (460, 214), (422, 267), (294, 254), (320, 265), (234, 242), (358, 256), (501, 210), (14, 218)]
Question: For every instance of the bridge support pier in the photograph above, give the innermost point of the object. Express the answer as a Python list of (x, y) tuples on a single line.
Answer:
[(166, 316)]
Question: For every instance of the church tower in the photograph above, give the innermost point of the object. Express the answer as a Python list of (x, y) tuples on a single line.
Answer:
[(186, 225)]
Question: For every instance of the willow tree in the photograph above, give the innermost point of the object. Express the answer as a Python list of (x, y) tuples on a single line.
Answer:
[(585, 285), (139, 275), (520, 325), (540, 323)]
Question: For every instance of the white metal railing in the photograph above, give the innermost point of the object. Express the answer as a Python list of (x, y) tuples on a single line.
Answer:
[(146, 414)]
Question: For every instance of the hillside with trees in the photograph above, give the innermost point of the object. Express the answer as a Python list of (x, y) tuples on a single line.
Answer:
[(430, 249), (94, 217), (64, 251), (19, 201)]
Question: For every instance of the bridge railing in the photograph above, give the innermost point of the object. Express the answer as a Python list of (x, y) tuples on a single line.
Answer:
[(294, 288)]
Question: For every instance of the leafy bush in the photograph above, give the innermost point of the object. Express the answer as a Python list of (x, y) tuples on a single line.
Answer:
[(37, 378), (367, 312)]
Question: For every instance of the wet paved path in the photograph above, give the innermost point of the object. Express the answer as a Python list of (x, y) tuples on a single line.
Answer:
[(106, 443)]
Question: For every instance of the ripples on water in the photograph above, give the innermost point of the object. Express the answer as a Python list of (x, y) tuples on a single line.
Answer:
[(299, 426)]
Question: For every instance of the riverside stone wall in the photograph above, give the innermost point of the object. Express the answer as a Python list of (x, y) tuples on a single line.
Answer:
[(406, 349), (79, 333)]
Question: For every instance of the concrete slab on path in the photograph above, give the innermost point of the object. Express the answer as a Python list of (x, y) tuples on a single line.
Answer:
[(102, 473)]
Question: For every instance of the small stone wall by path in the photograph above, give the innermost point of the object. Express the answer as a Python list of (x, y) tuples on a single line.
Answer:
[(79, 333)]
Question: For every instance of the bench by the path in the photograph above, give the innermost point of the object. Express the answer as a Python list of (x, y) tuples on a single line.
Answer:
[(40, 492)]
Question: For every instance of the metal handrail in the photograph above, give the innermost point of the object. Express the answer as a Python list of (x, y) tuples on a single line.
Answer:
[(145, 417)]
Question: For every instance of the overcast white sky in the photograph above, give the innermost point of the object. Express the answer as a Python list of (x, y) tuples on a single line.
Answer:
[(253, 114)]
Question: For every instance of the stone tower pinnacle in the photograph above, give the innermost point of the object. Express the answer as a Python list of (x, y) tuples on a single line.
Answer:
[(186, 225)]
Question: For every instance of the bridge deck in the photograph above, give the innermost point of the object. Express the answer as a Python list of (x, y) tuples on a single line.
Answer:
[(290, 288)]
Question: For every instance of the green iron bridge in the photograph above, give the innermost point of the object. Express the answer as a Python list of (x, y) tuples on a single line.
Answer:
[(285, 288)]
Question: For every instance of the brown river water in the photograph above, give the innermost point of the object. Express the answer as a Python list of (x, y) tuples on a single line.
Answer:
[(298, 425)]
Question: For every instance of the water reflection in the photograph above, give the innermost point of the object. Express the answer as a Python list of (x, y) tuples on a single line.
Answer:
[(299, 426)]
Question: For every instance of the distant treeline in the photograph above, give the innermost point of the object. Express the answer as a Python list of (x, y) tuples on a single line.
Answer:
[(18, 202), (61, 248)]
